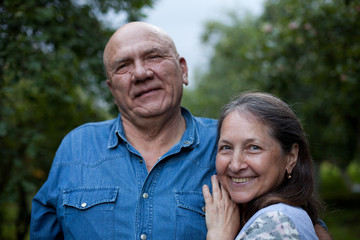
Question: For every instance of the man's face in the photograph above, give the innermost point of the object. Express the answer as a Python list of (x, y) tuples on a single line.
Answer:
[(146, 76)]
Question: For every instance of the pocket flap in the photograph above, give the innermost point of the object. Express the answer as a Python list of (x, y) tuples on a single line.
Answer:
[(193, 201), (84, 198)]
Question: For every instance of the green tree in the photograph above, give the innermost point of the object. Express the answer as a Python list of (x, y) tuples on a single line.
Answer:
[(232, 68), (52, 80), (307, 53)]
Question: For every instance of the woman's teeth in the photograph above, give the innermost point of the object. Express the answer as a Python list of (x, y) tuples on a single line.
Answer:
[(242, 180)]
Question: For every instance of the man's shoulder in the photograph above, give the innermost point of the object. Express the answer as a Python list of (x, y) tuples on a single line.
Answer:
[(208, 122), (87, 136), (202, 122), (93, 128), (99, 124)]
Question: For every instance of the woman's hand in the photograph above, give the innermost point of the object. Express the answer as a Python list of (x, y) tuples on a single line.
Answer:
[(222, 214)]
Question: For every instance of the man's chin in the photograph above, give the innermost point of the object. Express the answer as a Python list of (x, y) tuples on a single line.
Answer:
[(148, 111)]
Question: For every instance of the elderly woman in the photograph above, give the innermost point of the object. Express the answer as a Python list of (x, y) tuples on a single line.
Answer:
[(265, 171)]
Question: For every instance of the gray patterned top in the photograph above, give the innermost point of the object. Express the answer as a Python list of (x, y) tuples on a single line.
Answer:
[(278, 221)]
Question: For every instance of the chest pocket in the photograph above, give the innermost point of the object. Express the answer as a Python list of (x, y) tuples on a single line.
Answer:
[(89, 213), (190, 215)]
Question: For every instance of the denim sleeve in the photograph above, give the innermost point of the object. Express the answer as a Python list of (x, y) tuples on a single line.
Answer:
[(44, 224), (322, 223), (44, 217)]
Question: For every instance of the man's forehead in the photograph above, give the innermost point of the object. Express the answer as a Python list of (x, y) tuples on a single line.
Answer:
[(144, 47), (138, 40), (138, 37), (140, 30)]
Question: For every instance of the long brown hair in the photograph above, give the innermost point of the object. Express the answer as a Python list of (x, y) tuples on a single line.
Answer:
[(286, 128)]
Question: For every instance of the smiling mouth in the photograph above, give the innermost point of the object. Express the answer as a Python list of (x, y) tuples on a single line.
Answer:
[(242, 180), (146, 92)]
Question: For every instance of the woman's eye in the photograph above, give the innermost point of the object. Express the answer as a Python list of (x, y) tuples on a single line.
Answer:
[(254, 147), (224, 147)]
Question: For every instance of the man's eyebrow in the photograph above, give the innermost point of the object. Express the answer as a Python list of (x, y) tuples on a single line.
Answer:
[(121, 60), (154, 50), (118, 62)]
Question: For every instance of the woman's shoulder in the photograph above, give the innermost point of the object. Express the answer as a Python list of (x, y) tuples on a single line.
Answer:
[(278, 221), (286, 209), (270, 225)]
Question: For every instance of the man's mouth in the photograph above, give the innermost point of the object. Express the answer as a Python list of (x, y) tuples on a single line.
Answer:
[(145, 92)]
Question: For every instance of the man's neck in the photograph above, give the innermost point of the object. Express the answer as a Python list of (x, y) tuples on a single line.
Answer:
[(155, 136)]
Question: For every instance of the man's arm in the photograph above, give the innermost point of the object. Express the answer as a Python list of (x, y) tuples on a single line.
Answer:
[(322, 232), (44, 224)]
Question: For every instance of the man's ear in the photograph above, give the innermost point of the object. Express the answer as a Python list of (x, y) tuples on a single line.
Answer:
[(108, 83), (184, 69), (292, 158)]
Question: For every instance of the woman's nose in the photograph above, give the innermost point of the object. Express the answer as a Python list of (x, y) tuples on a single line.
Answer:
[(238, 162)]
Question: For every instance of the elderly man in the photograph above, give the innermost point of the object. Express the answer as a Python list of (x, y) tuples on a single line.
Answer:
[(138, 176)]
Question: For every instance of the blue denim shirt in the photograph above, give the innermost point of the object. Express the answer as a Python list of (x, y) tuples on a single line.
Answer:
[(99, 187)]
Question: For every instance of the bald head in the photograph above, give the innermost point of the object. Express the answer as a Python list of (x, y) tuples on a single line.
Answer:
[(135, 30)]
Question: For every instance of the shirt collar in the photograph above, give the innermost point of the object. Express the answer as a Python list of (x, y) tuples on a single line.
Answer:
[(190, 137), (117, 132)]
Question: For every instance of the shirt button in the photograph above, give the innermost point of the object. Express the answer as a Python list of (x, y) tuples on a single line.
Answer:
[(83, 204), (187, 142), (145, 195), (141, 160), (143, 236)]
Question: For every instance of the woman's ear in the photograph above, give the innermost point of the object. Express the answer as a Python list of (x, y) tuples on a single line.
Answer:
[(292, 158)]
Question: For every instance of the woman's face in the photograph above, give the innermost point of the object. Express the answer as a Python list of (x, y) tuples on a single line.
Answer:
[(249, 161)]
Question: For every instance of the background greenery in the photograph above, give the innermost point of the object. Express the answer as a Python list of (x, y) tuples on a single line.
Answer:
[(52, 80)]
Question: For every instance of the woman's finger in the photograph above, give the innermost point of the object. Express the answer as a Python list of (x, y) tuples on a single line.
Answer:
[(215, 188), (207, 195)]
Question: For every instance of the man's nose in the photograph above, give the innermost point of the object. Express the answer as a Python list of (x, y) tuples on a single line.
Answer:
[(141, 71)]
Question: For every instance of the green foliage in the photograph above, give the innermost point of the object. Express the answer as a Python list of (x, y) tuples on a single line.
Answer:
[(343, 210), (52, 80), (354, 171), (232, 67), (332, 183), (307, 53), (344, 223)]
